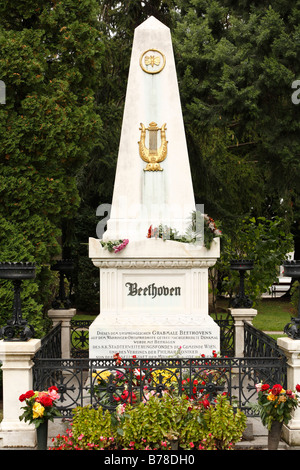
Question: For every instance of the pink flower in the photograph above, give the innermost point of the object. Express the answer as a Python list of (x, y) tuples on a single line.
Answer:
[(163, 444), (191, 445), (121, 246), (53, 395), (80, 437)]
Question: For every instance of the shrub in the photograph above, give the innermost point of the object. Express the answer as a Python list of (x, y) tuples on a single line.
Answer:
[(91, 430), (224, 426), (153, 424), (158, 423)]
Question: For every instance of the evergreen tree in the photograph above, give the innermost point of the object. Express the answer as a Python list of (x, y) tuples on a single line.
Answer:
[(50, 56), (236, 65)]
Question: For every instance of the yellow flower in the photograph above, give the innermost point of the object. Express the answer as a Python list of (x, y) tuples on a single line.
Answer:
[(167, 375), (282, 399), (271, 397), (102, 375), (38, 410)]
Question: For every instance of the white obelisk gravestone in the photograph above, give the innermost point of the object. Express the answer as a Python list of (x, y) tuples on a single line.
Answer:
[(153, 293)]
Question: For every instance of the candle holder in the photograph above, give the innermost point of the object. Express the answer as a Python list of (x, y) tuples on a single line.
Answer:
[(292, 269), (17, 329), (65, 269), (241, 300)]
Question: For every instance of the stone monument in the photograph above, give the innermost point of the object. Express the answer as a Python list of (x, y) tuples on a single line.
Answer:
[(153, 292)]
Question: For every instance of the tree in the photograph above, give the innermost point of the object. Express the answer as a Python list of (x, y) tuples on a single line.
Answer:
[(50, 57), (266, 242), (236, 65)]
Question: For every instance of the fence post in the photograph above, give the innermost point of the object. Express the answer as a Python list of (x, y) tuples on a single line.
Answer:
[(240, 315), (64, 316), (16, 358), (291, 348)]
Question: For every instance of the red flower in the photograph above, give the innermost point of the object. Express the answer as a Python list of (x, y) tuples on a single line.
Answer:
[(128, 397), (265, 387), (298, 388), (26, 395), (52, 388), (206, 403), (276, 389), (149, 232), (117, 358), (45, 400)]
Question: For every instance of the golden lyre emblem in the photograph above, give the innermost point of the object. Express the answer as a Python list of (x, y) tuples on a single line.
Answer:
[(153, 155)]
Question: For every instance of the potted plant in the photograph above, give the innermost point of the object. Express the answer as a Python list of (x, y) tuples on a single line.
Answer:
[(40, 407), (275, 405)]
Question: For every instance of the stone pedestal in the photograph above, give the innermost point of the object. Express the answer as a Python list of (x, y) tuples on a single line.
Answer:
[(291, 348), (64, 316), (240, 315), (154, 300), (16, 358)]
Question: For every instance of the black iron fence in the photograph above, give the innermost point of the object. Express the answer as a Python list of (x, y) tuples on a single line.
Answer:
[(108, 382), (103, 382), (259, 344)]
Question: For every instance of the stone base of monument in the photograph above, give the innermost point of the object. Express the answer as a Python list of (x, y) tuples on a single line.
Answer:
[(154, 301)]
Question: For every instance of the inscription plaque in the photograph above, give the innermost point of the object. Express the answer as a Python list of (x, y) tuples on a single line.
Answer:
[(154, 342)]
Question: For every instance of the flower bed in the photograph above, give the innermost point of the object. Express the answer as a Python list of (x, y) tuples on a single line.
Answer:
[(157, 423)]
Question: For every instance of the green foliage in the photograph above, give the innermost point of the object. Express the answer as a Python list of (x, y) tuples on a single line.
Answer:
[(151, 423), (50, 57), (225, 425), (295, 297), (264, 241), (236, 63), (92, 426), (156, 424)]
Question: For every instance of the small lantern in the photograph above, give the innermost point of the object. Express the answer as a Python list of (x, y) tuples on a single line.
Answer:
[(17, 329), (241, 300)]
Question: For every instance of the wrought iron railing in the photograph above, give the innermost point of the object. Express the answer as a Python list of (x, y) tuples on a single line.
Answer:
[(51, 344), (258, 344), (80, 338), (50, 349), (103, 382)]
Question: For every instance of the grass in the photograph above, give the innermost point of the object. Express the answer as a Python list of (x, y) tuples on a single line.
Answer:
[(272, 314)]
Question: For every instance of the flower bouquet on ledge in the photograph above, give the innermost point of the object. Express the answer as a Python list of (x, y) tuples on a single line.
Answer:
[(40, 407), (193, 232), (275, 406), (115, 246)]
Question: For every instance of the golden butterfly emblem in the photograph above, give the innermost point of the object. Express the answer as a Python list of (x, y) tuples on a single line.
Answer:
[(152, 60)]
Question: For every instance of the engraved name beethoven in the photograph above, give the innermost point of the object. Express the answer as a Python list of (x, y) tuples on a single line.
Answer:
[(151, 290)]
